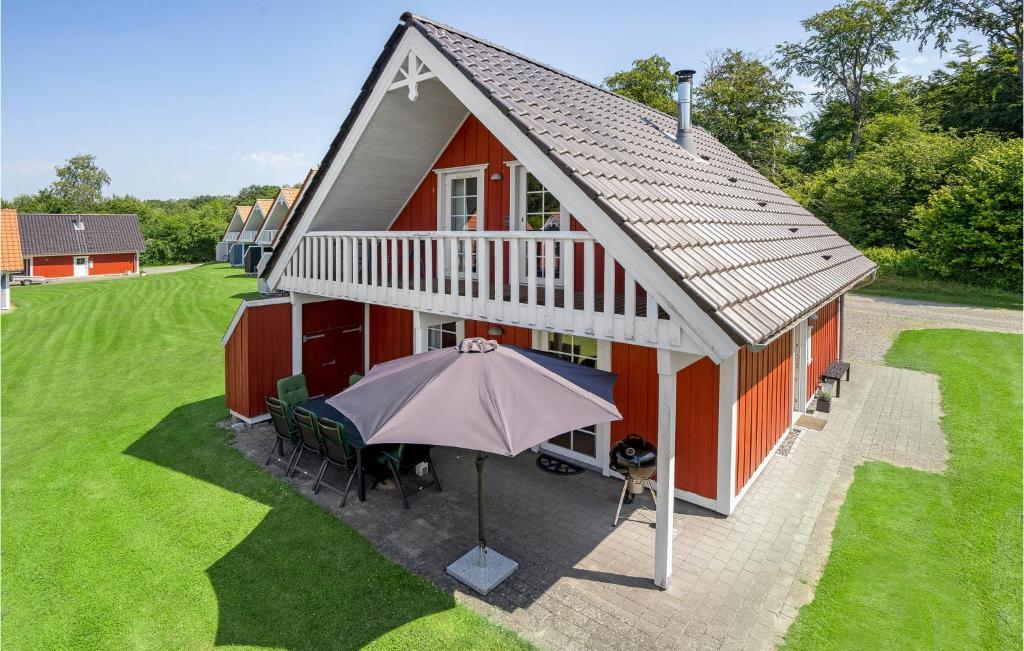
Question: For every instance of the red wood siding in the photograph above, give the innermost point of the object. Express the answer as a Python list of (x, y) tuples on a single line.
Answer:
[(258, 353), (764, 410), (515, 336), (112, 263), (636, 396), (63, 266), (53, 266), (390, 333), (473, 144), (824, 344)]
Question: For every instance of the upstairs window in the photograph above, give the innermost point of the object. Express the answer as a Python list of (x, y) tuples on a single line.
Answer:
[(78, 224)]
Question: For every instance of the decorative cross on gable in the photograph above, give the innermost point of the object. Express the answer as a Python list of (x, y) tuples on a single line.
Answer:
[(410, 74)]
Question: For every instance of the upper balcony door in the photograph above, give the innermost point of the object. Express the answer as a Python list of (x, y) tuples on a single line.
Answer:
[(535, 209), (460, 199)]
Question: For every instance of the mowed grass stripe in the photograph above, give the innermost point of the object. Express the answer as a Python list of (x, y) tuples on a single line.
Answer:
[(130, 521)]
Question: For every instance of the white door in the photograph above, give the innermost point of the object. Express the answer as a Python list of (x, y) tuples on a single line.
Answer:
[(81, 266)]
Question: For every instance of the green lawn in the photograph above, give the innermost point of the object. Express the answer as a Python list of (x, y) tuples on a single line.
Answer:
[(923, 560), (128, 519), (942, 291)]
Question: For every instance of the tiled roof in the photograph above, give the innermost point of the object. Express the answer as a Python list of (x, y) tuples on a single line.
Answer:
[(292, 206), (48, 234), (265, 205), (745, 251), (243, 212), (10, 241), (289, 195)]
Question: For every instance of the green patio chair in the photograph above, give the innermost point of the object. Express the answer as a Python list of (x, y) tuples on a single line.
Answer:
[(284, 430), (355, 377), (337, 451), (309, 441), (292, 391), (404, 458)]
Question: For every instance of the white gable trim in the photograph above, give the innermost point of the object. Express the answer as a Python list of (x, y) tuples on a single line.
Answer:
[(694, 322), (398, 56)]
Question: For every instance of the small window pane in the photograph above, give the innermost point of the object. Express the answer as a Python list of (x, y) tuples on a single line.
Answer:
[(470, 185), (458, 187), (532, 184), (534, 202), (470, 205)]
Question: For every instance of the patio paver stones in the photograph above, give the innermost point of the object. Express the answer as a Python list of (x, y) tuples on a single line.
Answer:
[(738, 581)]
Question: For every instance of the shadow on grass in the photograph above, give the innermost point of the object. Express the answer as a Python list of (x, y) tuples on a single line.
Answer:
[(301, 578)]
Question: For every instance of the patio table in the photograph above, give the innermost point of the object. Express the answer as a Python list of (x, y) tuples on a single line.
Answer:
[(321, 409)]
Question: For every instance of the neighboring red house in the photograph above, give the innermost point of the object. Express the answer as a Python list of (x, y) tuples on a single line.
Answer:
[(474, 192), (65, 246)]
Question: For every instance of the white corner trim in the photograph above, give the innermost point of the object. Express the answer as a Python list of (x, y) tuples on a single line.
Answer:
[(728, 399)]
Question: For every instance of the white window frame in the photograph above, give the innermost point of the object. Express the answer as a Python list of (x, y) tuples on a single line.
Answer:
[(457, 330), (445, 177), (602, 439), (517, 208)]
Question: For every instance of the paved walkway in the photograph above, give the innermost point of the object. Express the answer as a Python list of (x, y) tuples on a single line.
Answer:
[(738, 582), (875, 320)]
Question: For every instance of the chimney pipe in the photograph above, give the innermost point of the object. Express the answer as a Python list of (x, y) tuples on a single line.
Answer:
[(684, 134)]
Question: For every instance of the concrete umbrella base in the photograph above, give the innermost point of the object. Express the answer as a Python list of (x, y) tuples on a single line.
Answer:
[(482, 577)]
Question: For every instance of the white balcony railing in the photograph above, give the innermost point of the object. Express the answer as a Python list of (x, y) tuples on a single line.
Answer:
[(267, 236), (247, 236), (561, 281), (231, 237)]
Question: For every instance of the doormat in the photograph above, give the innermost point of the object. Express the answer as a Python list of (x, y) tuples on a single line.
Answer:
[(811, 422), (555, 466)]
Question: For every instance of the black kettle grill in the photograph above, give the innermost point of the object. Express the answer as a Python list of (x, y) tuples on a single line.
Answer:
[(637, 461)]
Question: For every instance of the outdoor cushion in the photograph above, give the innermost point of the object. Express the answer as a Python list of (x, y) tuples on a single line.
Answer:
[(292, 390)]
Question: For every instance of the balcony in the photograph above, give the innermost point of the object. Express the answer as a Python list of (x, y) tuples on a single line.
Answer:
[(231, 237), (247, 236), (267, 236), (558, 281)]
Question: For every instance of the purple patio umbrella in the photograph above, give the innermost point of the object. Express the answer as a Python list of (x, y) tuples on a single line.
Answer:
[(480, 396)]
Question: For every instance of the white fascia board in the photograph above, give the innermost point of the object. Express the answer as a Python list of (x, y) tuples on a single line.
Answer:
[(242, 307), (369, 109), (680, 307)]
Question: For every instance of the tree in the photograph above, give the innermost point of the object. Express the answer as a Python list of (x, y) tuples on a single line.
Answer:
[(80, 182), (970, 229), (1000, 21), (743, 103), (250, 193), (848, 43), (976, 93), (870, 200), (650, 81)]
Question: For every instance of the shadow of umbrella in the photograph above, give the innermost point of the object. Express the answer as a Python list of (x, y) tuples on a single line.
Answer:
[(301, 578)]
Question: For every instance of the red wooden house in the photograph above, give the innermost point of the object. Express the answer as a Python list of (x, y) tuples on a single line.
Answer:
[(472, 191), (65, 246)]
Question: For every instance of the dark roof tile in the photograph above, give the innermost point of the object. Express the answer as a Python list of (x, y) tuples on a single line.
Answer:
[(51, 234)]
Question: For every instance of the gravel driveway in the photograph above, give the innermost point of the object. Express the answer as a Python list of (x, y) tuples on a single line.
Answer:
[(874, 321)]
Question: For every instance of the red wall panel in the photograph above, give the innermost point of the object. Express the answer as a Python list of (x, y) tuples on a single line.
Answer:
[(112, 263), (513, 336), (390, 333), (764, 408), (256, 356), (824, 344), (53, 266), (636, 396)]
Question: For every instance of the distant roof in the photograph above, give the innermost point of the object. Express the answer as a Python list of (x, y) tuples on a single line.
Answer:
[(49, 234), (744, 250), (289, 195), (11, 258), (243, 212), (264, 205)]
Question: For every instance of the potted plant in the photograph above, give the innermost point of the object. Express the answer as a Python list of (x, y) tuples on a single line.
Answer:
[(824, 398)]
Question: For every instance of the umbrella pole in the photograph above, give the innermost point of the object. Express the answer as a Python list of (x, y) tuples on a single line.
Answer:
[(480, 459)]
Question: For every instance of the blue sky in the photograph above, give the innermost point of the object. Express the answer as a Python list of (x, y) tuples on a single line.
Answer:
[(185, 97)]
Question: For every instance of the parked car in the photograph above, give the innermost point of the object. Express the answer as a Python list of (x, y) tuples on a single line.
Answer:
[(28, 280)]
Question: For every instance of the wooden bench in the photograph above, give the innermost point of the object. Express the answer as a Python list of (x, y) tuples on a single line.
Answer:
[(835, 372)]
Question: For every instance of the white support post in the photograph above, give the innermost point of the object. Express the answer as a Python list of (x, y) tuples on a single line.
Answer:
[(667, 369), (728, 387), (419, 333), (296, 334)]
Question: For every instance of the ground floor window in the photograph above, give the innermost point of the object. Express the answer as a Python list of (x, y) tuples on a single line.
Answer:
[(442, 335), (583, 351)]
